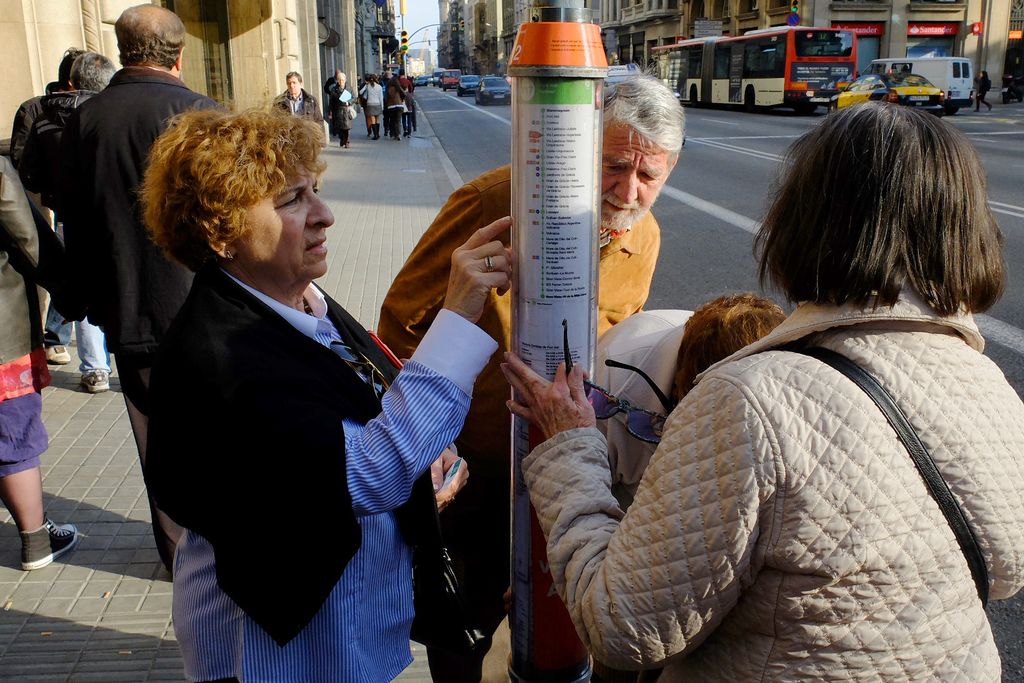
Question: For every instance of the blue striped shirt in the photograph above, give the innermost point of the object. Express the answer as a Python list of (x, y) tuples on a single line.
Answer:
[(361, 634)]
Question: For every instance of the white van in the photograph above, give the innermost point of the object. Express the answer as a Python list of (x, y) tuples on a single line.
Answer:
[(953, 75)]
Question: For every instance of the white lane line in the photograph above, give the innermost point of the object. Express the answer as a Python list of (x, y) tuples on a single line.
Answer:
[(767, 156), (720, 212), (998, 207), (1008, 213), (1001, 333), (443, 111), (722, 123), (1003, 132), (992, 329), (1003, 205), (748, 137), (483, 111)]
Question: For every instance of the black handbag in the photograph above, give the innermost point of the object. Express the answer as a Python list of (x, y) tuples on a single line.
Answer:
[(443, 619), (937, 486)]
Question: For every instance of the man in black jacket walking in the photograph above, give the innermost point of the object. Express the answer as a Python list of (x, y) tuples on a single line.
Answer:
[(128, 286)]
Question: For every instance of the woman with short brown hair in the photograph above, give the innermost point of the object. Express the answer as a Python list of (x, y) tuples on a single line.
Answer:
[(879, 200), (781, 530)]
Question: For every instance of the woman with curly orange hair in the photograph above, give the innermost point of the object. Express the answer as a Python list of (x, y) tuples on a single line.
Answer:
[(292, 452)]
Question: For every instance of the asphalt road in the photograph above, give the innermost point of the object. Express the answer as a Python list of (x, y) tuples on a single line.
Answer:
[(719, 191)]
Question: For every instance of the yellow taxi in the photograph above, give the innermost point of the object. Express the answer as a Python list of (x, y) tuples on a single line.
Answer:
[(907, 89)]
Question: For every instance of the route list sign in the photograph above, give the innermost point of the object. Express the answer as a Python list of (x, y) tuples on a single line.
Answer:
[(556, 253)]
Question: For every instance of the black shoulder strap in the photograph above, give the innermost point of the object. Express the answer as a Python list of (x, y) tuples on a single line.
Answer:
[(951, 510)]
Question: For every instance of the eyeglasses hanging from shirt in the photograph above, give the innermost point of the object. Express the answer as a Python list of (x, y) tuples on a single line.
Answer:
[(641, 423), (362, 366)]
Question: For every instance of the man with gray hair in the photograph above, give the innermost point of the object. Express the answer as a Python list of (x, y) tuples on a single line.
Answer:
[(643, 135), (127, 285)]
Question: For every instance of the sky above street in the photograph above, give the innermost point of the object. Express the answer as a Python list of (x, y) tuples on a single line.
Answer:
[(420, 13)]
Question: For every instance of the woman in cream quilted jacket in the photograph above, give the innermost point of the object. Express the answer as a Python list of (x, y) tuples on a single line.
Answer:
[(781, 531)]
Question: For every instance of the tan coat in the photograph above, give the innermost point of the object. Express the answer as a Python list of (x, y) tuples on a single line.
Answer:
[(781, 532), (627, 266)]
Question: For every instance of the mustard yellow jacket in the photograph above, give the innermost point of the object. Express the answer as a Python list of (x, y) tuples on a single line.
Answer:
[(417, 294)]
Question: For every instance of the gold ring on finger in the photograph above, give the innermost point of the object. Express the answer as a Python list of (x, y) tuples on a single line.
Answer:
[(488, 263)]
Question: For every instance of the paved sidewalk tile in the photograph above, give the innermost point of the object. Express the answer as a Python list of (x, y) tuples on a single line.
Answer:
[(103, 612)]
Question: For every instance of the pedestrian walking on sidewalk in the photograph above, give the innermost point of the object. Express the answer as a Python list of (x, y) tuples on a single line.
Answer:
[(409, 115), (284, 440), (342, 107), (395, 103), (984, 85), (373, 105), (296, 101), (23, 374)]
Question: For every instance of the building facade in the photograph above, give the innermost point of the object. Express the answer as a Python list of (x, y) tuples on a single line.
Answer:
[(986, 31), (236, 51)]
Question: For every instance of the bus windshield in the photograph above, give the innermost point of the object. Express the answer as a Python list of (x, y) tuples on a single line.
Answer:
[(824, 43)]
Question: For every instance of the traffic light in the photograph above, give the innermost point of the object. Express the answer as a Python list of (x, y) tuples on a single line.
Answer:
[(405, 41), (794, 6), (462, 25), (454, 28)]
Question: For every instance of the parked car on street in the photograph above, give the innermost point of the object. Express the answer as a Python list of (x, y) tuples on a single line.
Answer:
[(450, 78), (421, 80), (907, 89), (493, 90), (468, 85)]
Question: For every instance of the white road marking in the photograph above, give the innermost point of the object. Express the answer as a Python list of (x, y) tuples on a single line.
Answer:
[(767, 156), (748, 137), (484, 111), (998, 207), (443, 111), (992, 329), (719, 212), (1000, 132), (1006, 206), (723, 123), (1004, 211)]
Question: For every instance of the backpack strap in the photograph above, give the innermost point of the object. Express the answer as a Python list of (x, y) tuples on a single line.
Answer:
[(937, 487)]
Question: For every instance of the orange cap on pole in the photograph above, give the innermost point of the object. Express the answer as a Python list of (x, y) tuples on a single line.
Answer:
[(558, 44)]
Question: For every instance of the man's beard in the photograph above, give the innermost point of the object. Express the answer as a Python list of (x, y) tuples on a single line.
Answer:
[(627, 214)]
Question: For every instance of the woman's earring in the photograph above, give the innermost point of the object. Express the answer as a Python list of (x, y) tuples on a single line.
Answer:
[(227, 255)]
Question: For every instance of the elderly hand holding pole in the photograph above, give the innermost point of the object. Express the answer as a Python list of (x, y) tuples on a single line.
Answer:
[(552, 407)]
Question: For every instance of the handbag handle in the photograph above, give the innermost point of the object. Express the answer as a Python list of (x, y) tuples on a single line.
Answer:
[(937, 486)]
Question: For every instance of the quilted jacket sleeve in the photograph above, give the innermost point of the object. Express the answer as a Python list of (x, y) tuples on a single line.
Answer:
[(654, 583)]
